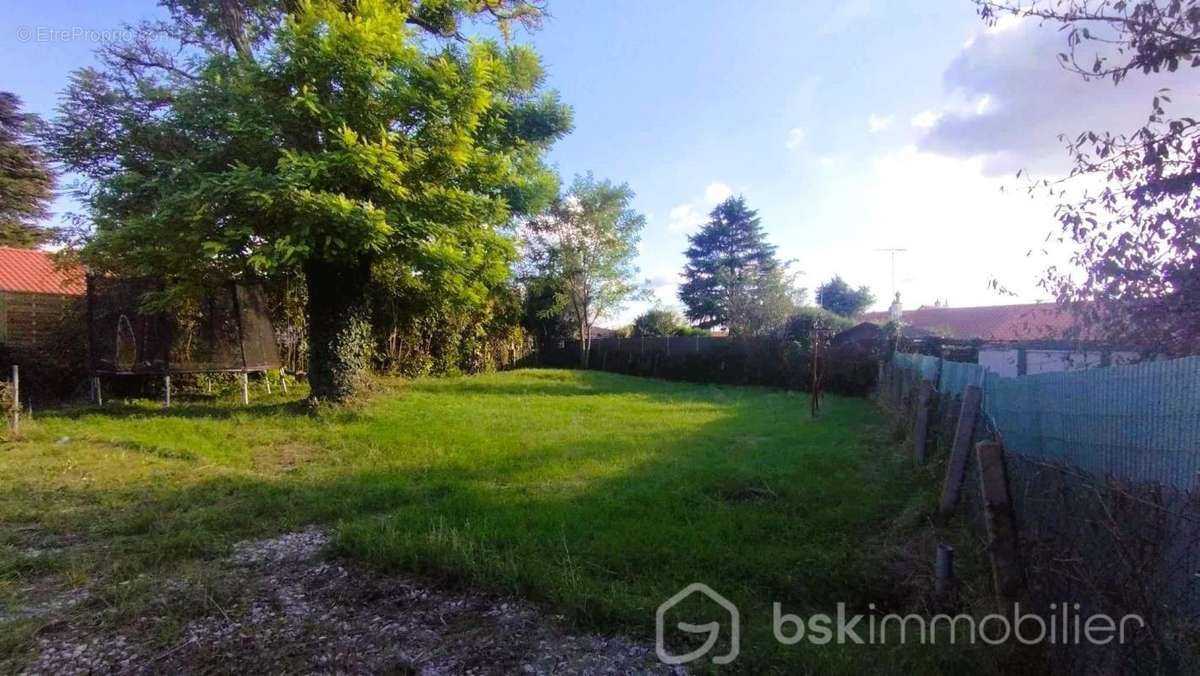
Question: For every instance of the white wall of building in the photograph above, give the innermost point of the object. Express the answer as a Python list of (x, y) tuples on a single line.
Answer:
[(1004, 361)]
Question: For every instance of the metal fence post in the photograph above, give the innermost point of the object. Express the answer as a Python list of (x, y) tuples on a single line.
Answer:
[(943, 570), (16, 399)]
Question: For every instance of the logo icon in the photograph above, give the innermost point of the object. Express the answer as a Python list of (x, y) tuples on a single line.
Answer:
[(713, 629)]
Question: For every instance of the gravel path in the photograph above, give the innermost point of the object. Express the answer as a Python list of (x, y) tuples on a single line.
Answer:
[(300, 613)]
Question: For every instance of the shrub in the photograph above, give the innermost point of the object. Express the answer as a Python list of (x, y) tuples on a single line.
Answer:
[(800, 325)]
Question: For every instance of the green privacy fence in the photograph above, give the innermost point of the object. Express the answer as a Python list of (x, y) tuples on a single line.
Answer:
[(1136, 422), (1101, 467)]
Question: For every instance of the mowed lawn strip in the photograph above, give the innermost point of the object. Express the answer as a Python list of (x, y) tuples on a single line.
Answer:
[(596, 494)]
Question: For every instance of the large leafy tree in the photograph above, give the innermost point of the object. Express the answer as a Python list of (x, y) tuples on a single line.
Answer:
[(732, 277), (320, 138), (26, 183), (1135, 268), (842, 299), (585, 243)]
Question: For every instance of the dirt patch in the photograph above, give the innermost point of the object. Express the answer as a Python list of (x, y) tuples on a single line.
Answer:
[(301, 613), (288, 457)]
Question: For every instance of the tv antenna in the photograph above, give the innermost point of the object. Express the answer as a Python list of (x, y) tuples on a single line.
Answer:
[(893, 251)]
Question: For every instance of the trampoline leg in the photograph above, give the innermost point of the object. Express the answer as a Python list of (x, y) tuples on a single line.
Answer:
[(97, 394), (283, 379), (167, 391), (245, 388), (267, 380)]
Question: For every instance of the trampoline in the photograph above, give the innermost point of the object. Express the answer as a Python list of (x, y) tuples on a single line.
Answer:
[(223, 329)]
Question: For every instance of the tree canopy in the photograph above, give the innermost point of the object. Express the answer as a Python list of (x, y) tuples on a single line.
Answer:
[(585, 245), (26, 182), (801, 325), (658, 322), (1135, 268), (732, 277), (315, 138), (841, 299)]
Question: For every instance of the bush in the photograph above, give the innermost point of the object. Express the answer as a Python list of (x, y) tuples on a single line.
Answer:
[(801, 324)]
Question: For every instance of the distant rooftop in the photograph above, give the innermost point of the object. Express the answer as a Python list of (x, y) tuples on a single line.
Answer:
[(34, 271), (1038, 321)]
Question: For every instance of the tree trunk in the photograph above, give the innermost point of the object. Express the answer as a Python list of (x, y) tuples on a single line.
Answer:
[(340, 343)]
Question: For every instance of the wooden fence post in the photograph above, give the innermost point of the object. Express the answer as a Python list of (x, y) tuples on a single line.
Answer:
[(921, 425), (1001, 525), (960, 451)]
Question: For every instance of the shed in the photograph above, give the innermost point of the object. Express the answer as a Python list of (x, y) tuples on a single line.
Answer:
[(35, 291)]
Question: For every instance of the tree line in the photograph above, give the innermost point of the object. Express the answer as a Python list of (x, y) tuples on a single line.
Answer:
[(386, 177)]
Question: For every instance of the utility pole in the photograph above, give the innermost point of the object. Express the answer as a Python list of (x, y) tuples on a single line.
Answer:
[(893, 251)]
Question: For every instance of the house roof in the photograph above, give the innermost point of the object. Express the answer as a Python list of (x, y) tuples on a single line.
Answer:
[(1041, 321), (33, 271), (862, 331)]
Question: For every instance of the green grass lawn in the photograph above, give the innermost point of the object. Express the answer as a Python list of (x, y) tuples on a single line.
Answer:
[(596, 495)]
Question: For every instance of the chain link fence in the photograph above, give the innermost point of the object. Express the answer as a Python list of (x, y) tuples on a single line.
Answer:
[(1102, 468)]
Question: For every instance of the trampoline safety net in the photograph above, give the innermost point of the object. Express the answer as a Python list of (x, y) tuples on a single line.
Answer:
[(225, 329)]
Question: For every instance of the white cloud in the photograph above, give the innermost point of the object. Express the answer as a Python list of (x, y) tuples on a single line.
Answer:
[(846, 13), (1006, 22), (795, 138), (717, 192), (926, 119), (683, 218), (828, 161), (1009, 99), (927, 203), (877, 122), (688, 216)]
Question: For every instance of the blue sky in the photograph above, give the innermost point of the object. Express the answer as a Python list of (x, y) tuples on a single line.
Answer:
[(850, 126)]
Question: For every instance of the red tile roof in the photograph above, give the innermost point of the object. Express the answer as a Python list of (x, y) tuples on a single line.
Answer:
[(1043, 321), (33, 271)]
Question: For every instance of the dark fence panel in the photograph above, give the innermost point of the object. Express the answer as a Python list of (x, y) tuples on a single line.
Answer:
[(731, 361)]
